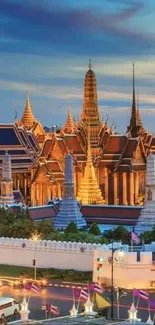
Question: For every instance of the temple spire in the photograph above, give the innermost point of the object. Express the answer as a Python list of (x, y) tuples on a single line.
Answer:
[(28, 119), (90, 110), (135, 128), (133, 96), (89, 65), (89, 192), (69, 124)]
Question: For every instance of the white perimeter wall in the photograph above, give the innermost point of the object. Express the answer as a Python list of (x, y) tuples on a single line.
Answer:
[(128, 272), (48, 254)]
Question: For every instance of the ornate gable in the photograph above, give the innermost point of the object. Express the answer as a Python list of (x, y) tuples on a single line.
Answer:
[(138, 156)]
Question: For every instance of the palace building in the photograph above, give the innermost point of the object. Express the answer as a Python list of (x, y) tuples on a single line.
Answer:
[(115, 163)]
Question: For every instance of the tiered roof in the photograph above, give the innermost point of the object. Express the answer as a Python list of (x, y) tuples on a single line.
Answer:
[(28, 119), (21, 146), (89, 192)]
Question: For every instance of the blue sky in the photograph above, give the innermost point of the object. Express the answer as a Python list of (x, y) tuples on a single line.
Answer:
[(48, 43)]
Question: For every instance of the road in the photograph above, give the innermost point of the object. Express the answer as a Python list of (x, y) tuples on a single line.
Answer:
[(62, 297)]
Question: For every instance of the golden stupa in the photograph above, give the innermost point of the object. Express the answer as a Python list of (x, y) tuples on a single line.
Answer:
[(69, 125), (89, 192), (28, 119)]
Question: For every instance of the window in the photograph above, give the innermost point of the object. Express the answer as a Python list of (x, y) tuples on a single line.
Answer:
[(138, 256), (153, 256)]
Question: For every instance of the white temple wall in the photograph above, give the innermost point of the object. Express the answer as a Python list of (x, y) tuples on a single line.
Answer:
[(48, 254), (128, 272)]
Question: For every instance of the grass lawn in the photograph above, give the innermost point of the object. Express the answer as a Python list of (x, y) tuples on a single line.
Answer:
[(68, 275)]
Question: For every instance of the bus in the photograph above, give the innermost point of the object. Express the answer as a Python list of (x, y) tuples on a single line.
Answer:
[(8, 306)]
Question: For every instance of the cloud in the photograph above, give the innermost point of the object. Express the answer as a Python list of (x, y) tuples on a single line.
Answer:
[(63, 26)]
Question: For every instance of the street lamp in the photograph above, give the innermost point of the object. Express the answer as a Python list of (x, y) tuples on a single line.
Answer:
[(35, 238), (121, 254), (119, 294)]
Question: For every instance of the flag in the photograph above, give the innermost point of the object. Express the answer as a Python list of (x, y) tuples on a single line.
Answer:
[(136, 292), (135, 238), (152, 303), (84, 295), (77, 292), (35, 288), (54, 310), (91, 286), (144, 295), (27, 286), (48, 307), (98, 288)]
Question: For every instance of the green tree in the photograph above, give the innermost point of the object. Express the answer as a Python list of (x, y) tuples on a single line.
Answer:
[(44, 228), (71, 228), (148, 237), (94, 229)]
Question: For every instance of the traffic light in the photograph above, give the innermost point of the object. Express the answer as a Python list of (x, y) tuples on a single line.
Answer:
[(34, 262), (99, 263)]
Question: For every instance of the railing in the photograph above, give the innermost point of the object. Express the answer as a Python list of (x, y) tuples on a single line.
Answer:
[(140, 248)]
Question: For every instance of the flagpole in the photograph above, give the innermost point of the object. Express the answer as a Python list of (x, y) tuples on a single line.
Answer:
[(131, 245), (137, 302), (133, 297), (73, 297), (79, 301), (88, 289), (149, 308)]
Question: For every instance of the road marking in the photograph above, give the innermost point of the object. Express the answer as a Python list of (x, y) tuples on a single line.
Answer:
[(66, 286)]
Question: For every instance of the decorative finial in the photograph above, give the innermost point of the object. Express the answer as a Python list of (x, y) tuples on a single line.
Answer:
[(89, 66), (27, 89)]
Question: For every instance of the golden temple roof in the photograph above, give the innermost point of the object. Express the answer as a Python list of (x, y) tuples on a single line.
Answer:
[(69, 125), (28, 119), (90, 113), (89, 192)]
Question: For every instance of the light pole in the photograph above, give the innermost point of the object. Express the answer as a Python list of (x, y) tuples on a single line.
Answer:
[(120, 253), (119, 294), (35, 238)]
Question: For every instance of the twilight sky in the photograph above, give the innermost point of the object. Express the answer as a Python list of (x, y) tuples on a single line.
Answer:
[(48, 43)]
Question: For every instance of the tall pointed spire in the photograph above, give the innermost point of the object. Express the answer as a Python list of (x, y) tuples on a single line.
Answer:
[(90, 110), (89, 192), (69, 124), (28, 119), (135, 128), (133, 95), (89, 65), (69, 210)]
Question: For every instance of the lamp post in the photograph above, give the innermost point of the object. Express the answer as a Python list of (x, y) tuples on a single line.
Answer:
[(121, 253), (35, 238), (119, 294)]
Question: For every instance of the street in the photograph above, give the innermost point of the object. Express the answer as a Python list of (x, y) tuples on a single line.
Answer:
[(63, 298)]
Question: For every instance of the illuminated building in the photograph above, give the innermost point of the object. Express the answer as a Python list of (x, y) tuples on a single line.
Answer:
[(118, 160), (7, 197)]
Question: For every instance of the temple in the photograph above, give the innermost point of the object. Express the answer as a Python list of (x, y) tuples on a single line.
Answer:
[(69, 210), (146, 220), (118, 161), (89, 192), (7, 197)]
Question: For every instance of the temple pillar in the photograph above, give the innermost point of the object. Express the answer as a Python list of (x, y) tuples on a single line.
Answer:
[(115, 189), (136, 186), (106, 184), (37, 196), (59, 191), (48, 192), (18, 182), (125, 189), (25, 186), (131, 189)]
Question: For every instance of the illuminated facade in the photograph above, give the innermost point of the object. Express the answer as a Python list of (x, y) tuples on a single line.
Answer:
[(118, 160)]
